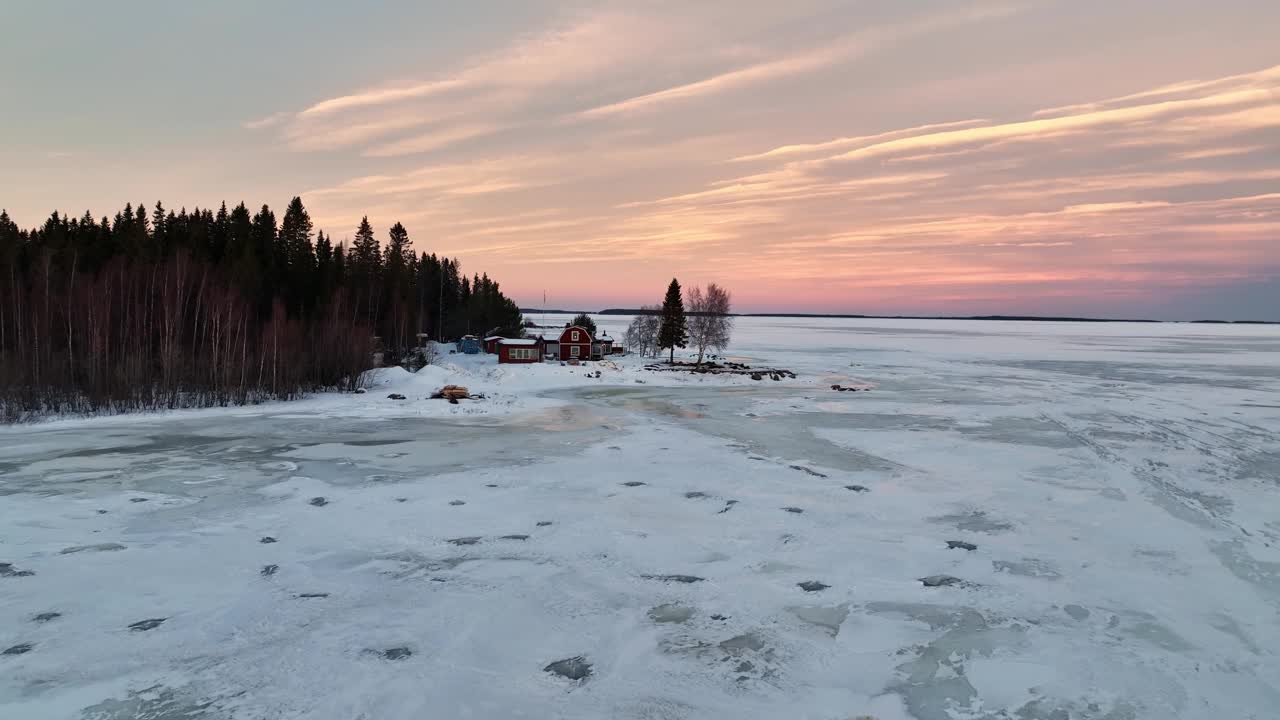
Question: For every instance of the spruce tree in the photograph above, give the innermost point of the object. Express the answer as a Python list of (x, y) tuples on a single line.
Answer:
[(267, 272), (219, 235), (365, 268), (325, 284), (673, 333), (295, 237), (158, 229), (585, 322), (395, 285), (298, 256), (339, 265), (365, 251)]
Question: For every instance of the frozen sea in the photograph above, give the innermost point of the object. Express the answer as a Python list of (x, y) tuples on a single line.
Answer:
[(1015, 521)]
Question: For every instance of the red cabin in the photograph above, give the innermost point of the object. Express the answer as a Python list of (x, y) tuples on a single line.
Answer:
[(523, 350), (491, 343), (575, 343)]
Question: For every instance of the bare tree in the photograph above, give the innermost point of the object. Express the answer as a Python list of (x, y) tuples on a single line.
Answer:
[(709, 321), (642, 333), (650, 324)]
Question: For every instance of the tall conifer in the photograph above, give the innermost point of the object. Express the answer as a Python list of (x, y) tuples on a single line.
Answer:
[(674, 332)]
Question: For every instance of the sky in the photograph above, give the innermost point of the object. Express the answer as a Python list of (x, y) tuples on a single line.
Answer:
[(941, 157)]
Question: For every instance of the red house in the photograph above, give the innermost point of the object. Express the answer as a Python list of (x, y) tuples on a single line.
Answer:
[(491, 343), (575, 343), (523, 350)]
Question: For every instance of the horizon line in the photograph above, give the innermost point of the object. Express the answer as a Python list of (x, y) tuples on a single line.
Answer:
[(859, 316)]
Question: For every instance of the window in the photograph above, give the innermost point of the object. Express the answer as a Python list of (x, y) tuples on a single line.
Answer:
[(576, 337), (575, 351)]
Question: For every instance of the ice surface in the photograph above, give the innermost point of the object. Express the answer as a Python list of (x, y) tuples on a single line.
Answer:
[(1119, 484), (670, 613)]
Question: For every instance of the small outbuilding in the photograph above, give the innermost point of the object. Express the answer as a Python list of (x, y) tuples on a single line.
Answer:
[(491, 343), (575, 343), (470, 345), (522, 350), (602, 346)]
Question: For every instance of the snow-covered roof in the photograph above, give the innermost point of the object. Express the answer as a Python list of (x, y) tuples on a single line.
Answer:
[(494, 337), (604, 337), (521, 341)]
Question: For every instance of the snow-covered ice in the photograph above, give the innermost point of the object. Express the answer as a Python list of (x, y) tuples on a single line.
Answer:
[(1018, 521)]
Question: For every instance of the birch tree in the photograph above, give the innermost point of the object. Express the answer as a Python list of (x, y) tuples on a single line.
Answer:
[(709, 322), (642, 333)]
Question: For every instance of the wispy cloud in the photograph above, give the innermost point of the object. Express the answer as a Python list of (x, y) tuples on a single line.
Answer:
[(845, 142), (269, 121), (526, 157), (843, 50), (528, 81), (1061, 125), (426, 142), (490, 91), (382, 96), (1262, 78)]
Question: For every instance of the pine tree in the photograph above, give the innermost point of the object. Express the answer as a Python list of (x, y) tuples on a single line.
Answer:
[(298, 256), (674, 332), (325, 283), (365, 252), (364, 267), (263, 241), (295, 235), (430, 295), (159, 228), (396, 283), (240, 261), (219, 235), (339, 265)]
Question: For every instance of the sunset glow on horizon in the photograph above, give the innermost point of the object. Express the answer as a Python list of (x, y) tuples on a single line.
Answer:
[(950, 158)]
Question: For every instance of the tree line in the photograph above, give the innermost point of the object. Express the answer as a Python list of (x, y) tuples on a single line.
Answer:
[(163, 309), (706, 325)]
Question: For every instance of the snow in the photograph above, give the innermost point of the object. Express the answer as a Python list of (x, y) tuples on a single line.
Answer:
[(1119, 483)]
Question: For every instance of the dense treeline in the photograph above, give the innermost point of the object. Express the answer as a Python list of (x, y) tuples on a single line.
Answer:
[(154, 309)]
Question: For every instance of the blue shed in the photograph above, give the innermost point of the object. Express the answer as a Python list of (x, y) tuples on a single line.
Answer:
[(470, 344)]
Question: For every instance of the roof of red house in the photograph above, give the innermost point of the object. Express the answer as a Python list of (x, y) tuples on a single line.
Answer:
[(520, 341)]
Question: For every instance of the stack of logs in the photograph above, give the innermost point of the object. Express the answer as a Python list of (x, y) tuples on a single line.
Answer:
[(452, 393)]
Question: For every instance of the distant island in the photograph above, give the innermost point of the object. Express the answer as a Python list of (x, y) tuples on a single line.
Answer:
[(1007, 318)]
